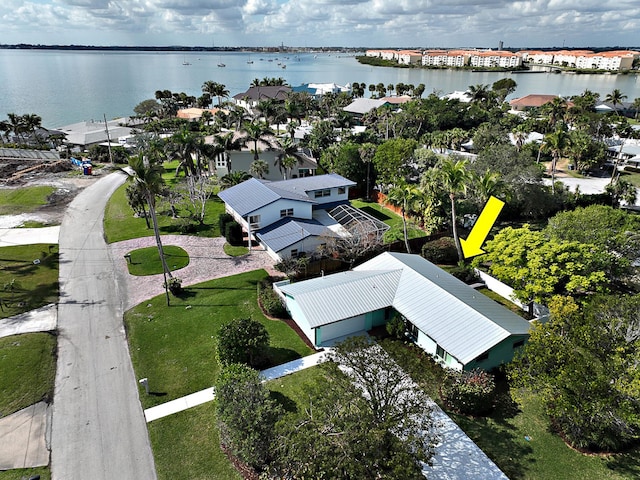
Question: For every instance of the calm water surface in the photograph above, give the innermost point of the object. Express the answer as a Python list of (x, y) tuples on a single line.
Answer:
[(64, 87)]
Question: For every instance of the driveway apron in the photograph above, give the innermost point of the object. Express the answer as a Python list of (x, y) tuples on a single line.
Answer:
[(99, 429)]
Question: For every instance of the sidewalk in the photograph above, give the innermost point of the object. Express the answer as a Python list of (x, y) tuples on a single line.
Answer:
[(41, 319), (10, 237)]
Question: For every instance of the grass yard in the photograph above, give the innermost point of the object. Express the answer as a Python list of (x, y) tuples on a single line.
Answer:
[(24, 473), (390, 218), (146, 261), (186, 446), (23, 200), (27, 285), (120, 224), (28, 366), (174, 346), (235, 251)]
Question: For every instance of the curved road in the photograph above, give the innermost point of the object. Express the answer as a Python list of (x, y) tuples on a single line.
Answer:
[(98, 429)]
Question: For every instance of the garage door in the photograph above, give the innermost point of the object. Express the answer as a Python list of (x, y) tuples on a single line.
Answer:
[(341, 329)]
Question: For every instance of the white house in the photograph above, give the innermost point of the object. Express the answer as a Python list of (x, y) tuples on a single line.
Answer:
[(461, 327), (290, 217)]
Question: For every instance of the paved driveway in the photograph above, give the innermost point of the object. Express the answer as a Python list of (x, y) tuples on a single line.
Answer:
[(99, 431)]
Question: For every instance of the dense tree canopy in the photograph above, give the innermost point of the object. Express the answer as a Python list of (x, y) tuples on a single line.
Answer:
[(583, 363), (242, 340)]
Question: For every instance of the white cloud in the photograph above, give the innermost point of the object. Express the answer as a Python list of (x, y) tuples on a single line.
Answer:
[(324, 22)]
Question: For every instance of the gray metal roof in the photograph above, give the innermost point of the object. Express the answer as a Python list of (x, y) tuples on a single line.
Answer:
[(253, 194), (288, 231), (314, 182), (464, 322), (26, 154), (361, 292), (364, 105)]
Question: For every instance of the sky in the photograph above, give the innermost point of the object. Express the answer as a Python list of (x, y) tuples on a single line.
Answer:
[(323, 23)]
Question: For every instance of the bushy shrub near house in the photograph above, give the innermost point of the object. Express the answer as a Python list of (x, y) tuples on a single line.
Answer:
[(469, 393), (233, 233), (441, 251), (270, 301), (223, 219)]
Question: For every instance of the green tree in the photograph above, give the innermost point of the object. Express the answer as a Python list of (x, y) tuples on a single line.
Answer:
[(503, 88), (556, 143), (455, 179), (403, 195), (616, 97), (147, 109), (539, 267), (242, 340), (257, 131), (259, 168), (215, 89), (227, 143), (583, 364), (148, 178), (373, 422), (392, 159), (246, 415), (233, 178)]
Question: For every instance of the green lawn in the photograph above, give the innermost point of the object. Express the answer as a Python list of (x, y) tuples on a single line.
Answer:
[(390, 218), (27, 285), (24, 473), (28, 366), (235, 251), (174, 346), (23, 200), (146, 261), (120, 224)]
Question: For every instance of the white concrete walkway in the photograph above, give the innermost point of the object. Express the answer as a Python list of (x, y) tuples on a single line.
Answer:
[(43, 319), (208, 394), (10, 237)]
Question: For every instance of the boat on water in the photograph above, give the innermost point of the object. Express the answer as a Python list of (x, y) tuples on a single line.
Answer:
[(284, 66), (221, 65)]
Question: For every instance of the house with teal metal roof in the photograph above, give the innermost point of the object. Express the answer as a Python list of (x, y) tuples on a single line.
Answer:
[(460, 327)]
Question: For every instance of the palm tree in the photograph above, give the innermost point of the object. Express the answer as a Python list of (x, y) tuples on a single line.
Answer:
[(555, 143), (31, 123), (636, 107), (5, 128), (215, 89), (259, 168), (148, 177), (255, 132), (227, 142), (367, 151), (291, 128), (455, 179), (616, 97), (233, 178), (556, 111), (487, 185), (17, 125), (185, 145), (403, 195), (288, 156), (479, 93)]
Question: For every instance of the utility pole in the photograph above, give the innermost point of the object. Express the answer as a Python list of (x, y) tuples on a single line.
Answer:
[(106, 127)]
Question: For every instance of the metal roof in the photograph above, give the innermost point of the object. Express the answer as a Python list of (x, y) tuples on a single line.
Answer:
[(461, 320), (464, 322), (26, 154), (364, 105), (253, 194), (362, 292), (289, 230)]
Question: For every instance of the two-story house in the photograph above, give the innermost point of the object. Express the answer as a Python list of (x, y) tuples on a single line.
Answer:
[(289, 218)]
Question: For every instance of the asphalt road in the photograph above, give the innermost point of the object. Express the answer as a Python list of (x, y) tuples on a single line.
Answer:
[(99, 431)]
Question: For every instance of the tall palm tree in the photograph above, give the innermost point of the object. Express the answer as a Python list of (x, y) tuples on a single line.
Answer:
[(289, 154), (479, 93), (17, 125), (555, 143), (367, 151), (148, 178), (486, 185), (556, 111), (455, 179), (215, 89), (185, 145), (616, 97), (404, 195), (256, 131), (636, 107), (228, 142)]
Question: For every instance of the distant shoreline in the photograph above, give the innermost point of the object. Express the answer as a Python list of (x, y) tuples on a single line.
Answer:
[(177, 48)]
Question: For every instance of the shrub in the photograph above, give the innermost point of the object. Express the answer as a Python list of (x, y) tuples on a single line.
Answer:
[(243, 340), (469, 393), (441, 251), (465, 273), (270, 301), (174, 285), (395, 327), (233, 233), (223, 219)]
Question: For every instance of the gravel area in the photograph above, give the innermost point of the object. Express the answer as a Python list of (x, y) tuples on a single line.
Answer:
[(207, 261)]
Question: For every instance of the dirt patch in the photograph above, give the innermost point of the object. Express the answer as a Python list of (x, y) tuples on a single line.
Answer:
[(66, 178)]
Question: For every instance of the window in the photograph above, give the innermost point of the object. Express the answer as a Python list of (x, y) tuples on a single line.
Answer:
[(440, 352), (322, 193), (287, 212), (221, 162), (294, 253), (482, 357), (342, 190), (412, 330), (518, 344), (254, 221)]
